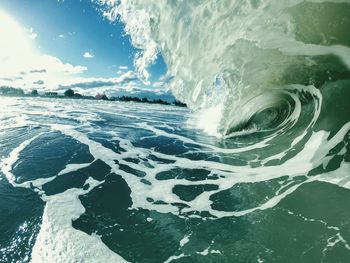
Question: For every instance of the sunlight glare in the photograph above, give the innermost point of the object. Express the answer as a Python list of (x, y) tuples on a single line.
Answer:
[(15, 46)]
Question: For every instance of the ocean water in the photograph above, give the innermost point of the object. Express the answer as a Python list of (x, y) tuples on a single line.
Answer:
[(96, 181), (257, 169)]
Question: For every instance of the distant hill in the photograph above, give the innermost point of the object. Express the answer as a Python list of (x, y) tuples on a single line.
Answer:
[(10, 91)]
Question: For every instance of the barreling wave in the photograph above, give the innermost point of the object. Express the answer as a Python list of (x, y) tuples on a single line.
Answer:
[(233, 60), (270, 75)]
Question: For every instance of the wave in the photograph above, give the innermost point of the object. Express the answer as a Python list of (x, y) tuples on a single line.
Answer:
[(269, 79), (162, 164), (236, 61)]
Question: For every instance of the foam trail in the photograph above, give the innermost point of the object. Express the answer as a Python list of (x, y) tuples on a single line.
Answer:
[(284, 156), (73, 167), (58, 241), (7, 163), (312, 155)]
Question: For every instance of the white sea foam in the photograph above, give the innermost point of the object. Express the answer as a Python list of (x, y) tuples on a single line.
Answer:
[(184, 241), (59, 241), (228, 60), (73, 167), (173, 258), (311, 156), (6, 164)]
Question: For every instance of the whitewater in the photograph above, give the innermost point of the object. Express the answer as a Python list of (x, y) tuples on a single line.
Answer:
[(256, 169)]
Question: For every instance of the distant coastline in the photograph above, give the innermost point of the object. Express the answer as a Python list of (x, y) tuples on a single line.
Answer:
[(69, 93)]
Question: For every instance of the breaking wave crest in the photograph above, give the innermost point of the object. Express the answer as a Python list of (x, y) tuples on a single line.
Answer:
[(237, 60), (268, 78)]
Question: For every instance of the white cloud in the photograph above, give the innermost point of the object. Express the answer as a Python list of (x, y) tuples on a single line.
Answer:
[(20, 62), (158, 84), (22, 66), (66, 35), (93, 83), (127, 84), (55, 65), (88, 55), (32, 34), (114, 87)]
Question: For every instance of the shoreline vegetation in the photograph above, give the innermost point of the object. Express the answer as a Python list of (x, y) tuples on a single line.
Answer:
[(69, 93)]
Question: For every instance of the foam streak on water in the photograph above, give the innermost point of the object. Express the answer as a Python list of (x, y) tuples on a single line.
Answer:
[(257, 164), (169, 170)]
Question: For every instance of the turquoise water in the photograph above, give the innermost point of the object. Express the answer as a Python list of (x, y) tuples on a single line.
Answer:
[(94, 181), (257, 169)]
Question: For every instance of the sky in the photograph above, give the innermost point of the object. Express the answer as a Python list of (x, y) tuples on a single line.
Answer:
[(55, 45)]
